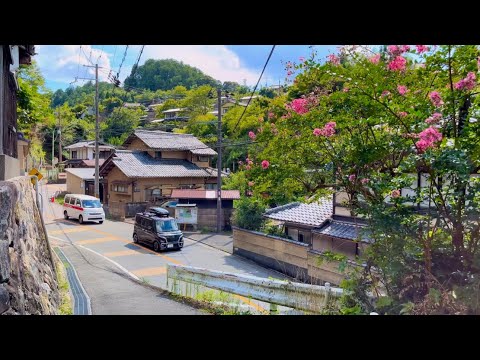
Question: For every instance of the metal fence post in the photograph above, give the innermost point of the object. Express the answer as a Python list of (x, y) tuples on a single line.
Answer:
[(273, 309)]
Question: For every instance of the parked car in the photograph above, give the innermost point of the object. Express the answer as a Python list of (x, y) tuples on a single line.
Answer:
[(83, 207), (157, 229), (169, 204)]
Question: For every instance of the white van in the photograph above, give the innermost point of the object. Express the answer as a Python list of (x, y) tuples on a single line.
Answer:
[(83, 208)]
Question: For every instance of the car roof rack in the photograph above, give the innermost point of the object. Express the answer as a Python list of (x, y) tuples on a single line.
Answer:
[(158, 211)]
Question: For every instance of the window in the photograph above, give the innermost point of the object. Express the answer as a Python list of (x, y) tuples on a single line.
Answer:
[(74, 154), (202, 158), (153, 194), (136, 188), (91, 204), (121, 188), (166, 225), (210, 186), (158, 154), (77, 202), (300, 237), (187, 186)]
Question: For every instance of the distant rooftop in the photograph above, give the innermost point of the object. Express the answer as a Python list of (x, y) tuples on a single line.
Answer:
[(204, 194), (89, 144), (345, 230), (82, 173), (314, 214)]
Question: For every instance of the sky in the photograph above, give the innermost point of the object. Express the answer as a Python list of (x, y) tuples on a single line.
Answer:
[(61, 64)]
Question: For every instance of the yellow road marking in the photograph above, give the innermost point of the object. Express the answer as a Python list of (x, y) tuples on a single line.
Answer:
[(251, 303), (66, 231), (122, 253), (97, 241), (174, 261), (151, 271)]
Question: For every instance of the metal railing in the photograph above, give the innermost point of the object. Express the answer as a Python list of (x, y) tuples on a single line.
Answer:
[(312, 298)]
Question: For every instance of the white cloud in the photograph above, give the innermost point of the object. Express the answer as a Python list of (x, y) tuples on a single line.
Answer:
[(215, 60), (60, 63), (63, 63)]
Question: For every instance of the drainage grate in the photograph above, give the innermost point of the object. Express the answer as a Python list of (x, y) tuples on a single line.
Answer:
[(80, 297)]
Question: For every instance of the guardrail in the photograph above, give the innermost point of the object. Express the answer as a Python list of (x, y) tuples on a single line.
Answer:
[(300, 296)]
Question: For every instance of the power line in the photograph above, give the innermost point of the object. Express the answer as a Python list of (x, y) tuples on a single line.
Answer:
[(101, 53), (254, 89), (120, 67)]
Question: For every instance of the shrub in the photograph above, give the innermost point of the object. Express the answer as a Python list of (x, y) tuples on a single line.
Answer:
[(248, 214)]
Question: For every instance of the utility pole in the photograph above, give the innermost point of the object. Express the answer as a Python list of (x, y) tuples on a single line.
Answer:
[(219, 162), (53, 144), (59, 139), (97, 130), (97, 183)]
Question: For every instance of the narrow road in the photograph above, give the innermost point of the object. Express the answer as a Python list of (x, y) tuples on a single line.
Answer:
[(112, 241)]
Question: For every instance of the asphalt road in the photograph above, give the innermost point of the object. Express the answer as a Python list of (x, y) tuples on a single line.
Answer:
[(112, 242)]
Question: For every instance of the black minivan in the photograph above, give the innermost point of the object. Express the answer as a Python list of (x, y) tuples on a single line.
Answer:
[(155, 228)]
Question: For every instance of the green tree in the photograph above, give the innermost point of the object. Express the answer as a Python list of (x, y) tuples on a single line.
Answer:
[(121, 123), (166, 74)]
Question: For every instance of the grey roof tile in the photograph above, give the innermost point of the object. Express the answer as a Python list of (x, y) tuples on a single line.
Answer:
[(345, 230), (161, 140), (141, 165), (313, 214)]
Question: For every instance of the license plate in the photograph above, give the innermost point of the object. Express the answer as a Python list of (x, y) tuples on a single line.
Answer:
[(170, 246)]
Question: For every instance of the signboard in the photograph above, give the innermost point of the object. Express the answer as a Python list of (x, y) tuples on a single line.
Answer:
[(186, 213), (37, 173)]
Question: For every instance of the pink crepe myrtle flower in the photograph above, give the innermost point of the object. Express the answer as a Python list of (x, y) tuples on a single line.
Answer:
[(402, 89), (436, 99), (421, 48), (301, 59), (467, 83), (395, 194), (334, 59), (270, 114), (251, 183), (435, 118), (352, 178), (299, 106), (385, 93), (375, 59), (394, 50), (327, 131), (478, 62), (346, 89), (248, 167), (365, 181), (428, 138), (397, 64), (265, 164), (252, 135), (289, 72), (402, 114), (404, 48), (240, 162)]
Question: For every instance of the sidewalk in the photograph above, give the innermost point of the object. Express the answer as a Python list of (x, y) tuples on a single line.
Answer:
[(223, 241), (112, 293)]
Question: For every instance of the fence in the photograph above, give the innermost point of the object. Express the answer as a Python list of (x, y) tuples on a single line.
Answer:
[(312, 298), (288, 256)]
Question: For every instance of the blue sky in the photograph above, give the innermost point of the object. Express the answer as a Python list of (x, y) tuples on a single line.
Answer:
[(61, 64)]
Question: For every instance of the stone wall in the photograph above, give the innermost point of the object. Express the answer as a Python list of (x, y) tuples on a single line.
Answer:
[(28, 283)]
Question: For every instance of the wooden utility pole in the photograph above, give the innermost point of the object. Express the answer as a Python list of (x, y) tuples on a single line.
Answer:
[(97, 131), (59, 139), (219, 162)]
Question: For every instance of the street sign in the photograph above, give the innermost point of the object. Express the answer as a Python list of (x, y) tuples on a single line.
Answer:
[(37, 173)]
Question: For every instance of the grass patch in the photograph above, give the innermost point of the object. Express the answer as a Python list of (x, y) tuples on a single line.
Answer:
[(66, 302), (60, 199)]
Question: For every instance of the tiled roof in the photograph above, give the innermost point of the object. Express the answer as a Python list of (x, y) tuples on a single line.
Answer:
[(82, 173), (204, 194), (161, 140), (313, 214), (91, 163), (345, 230), (141, 165), (89, 144)]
